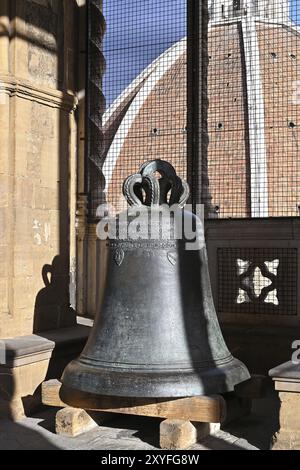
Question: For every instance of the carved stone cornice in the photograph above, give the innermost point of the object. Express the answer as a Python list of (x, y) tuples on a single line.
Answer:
[(15, 86)]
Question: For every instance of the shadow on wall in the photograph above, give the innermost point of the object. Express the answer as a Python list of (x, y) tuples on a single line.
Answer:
[(51, 46), (52, 308), (51, 62)]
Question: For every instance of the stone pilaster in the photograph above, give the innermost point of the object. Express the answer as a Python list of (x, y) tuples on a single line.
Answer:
[(5, 179), (204, 139), (4, 35), (288, 437), (37, 129), (286, 379), (81, 228), (38, 186), (197, 54)]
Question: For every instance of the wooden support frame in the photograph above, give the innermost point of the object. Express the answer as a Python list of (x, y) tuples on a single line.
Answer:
[(185, 420), (202, 409)]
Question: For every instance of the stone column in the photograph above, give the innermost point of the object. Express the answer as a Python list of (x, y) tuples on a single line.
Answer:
[(82, 197), (95, 105), (91, 252), (286, 378), (81, 271), (205, 193), (198, 102), (4, 35), (95, 270), (37, 193), (5, 179)]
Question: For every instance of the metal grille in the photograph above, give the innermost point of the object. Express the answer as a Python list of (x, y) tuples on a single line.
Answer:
[(257, 281), (145, 89), (254, 114), (254, 101)]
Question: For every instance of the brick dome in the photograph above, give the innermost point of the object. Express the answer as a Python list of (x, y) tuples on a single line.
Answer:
[(253, 158)]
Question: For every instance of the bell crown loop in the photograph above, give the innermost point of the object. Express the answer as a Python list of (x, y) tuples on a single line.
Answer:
[(145, 189)]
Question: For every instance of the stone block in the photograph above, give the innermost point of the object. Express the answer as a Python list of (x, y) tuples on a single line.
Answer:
[(286, 440), (3, 294), (23, 262), (29, 362), (18, 385), (71, 422), (287, 379), (4, 257), (176, 434), (24, 188), (23, 226), (289, 414), (4, 190), (4, 134), (4, 225), (46, 198), (22, 292)]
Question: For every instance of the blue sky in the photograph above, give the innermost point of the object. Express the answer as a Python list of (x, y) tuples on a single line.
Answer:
[(295, 10), (138, 31)]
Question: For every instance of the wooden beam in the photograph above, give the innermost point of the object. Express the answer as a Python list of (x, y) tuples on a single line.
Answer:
[(50, 394), (206, 409)]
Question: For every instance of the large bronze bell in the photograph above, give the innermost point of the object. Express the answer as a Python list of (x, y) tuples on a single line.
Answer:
[(156, 333)]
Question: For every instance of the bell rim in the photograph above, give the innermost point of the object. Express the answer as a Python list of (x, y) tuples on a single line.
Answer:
[(158, 384)]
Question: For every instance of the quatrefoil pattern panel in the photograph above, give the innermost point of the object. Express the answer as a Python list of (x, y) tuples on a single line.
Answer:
[(257, 280)]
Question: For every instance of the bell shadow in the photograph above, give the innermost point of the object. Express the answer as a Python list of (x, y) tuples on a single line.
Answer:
[(208, 352), (217, 443), (259, 427), (52, 309), (144, 428)]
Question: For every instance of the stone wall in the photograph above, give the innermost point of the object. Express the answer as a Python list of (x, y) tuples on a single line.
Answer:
[(38, 145)]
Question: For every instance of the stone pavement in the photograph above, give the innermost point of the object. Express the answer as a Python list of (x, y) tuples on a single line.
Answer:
[(139, 433)]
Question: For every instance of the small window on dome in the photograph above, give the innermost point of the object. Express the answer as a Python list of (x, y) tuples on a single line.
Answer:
[(223, 10), (236, 5), (155, 131)]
